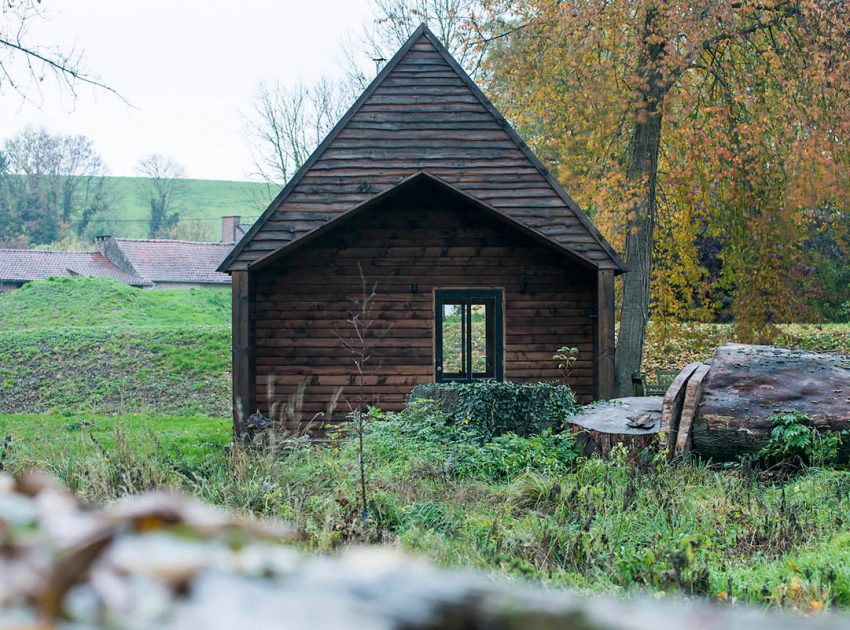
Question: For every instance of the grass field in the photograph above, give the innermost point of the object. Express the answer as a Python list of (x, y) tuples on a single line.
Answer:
[(72, 345), (201, 203), (82, 302), (518, 508), (81, 434)]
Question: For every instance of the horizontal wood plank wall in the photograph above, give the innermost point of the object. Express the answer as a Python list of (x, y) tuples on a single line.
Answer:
[(422, 236), (423, 117)]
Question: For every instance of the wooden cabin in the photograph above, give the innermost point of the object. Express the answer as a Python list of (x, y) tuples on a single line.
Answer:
[(424, 199)]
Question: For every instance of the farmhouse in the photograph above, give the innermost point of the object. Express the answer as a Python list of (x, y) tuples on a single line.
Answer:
[(423, 198), (167, 263), (144, 263)]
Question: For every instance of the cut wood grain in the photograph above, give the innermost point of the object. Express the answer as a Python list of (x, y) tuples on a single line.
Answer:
[(693, 394), (671, 406), (747, 384)]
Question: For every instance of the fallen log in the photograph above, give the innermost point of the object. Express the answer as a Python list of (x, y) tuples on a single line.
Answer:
[(745, 385)]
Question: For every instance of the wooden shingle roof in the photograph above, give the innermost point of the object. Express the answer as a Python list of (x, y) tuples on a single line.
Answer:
[(423, 113)]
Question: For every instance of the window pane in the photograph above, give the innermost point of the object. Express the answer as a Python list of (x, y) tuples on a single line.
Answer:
[(454, 339), (483, 333)]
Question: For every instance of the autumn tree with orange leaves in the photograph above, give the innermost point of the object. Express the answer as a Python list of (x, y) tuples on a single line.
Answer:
[(706, 139)]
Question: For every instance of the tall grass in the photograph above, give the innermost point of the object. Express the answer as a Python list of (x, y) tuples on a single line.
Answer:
[(518, 507)]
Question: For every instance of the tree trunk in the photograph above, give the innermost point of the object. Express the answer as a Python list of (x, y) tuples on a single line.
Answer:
[(643, 168)]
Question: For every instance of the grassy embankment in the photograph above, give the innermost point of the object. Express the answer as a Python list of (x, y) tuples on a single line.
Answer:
[(77, 346)]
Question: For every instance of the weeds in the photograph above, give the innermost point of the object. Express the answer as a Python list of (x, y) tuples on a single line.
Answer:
[(513, 506), (794, 443)]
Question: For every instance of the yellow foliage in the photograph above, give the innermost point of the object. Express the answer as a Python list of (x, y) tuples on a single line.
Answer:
[(753, 137)]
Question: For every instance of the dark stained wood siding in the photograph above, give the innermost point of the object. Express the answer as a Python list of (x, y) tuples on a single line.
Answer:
[(428, 236), (244, 378), (423, 115)]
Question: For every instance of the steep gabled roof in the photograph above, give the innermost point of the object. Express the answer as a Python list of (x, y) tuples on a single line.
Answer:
[(25, 265), (423, 113)]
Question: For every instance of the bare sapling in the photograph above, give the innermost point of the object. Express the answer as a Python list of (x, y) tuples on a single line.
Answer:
[(360, 345)]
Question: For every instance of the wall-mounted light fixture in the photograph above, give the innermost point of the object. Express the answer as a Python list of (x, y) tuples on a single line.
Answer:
[(414, 288), (523, 286)]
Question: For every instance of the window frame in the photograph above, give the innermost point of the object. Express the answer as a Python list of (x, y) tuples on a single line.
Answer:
[(467, 294)]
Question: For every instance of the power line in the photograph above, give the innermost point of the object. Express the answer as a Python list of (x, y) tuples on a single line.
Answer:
[(106, 220)]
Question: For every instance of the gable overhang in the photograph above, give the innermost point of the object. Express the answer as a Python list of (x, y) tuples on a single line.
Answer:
[(406, 183), (615, 262)]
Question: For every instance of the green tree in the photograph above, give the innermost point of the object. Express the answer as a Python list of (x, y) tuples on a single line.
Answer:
[(53, 185), (163, 187)]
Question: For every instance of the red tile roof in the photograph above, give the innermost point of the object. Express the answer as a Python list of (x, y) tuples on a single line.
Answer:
[(23, 265), (176, 261)]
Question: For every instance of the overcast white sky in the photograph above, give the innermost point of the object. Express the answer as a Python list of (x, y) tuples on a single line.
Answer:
[(189, 66)]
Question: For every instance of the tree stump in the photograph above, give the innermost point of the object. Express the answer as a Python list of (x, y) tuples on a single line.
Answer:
[(631, 421)]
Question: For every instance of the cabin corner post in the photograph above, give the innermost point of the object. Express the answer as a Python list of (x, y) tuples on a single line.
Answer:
[(604, 335), (244, 368)]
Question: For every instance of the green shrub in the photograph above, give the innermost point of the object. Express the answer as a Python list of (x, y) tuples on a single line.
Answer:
[(795, 442), (495, 408), (423, 434)]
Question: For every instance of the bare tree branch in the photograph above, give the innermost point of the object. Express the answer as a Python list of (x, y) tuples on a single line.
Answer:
[(288, 123), (24, 57)]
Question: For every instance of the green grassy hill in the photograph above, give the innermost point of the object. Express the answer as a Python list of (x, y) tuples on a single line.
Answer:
[(75, 345), (77, 301), (201, 204)]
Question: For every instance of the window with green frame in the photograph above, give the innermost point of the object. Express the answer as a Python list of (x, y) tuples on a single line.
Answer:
[(468, 331)]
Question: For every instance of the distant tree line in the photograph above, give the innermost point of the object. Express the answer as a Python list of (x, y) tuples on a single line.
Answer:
[(55, 188), (51, 186)]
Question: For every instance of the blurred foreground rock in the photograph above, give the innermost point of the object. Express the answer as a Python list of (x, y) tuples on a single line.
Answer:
[(162, 561)]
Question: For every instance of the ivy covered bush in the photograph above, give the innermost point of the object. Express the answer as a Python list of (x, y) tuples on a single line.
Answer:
[(496, 408)]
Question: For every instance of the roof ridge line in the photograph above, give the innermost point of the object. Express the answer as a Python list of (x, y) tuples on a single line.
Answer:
[(168, 240), (47, 251)]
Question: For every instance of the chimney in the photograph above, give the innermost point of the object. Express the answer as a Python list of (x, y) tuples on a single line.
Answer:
[(229, 229), (101, 242)]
